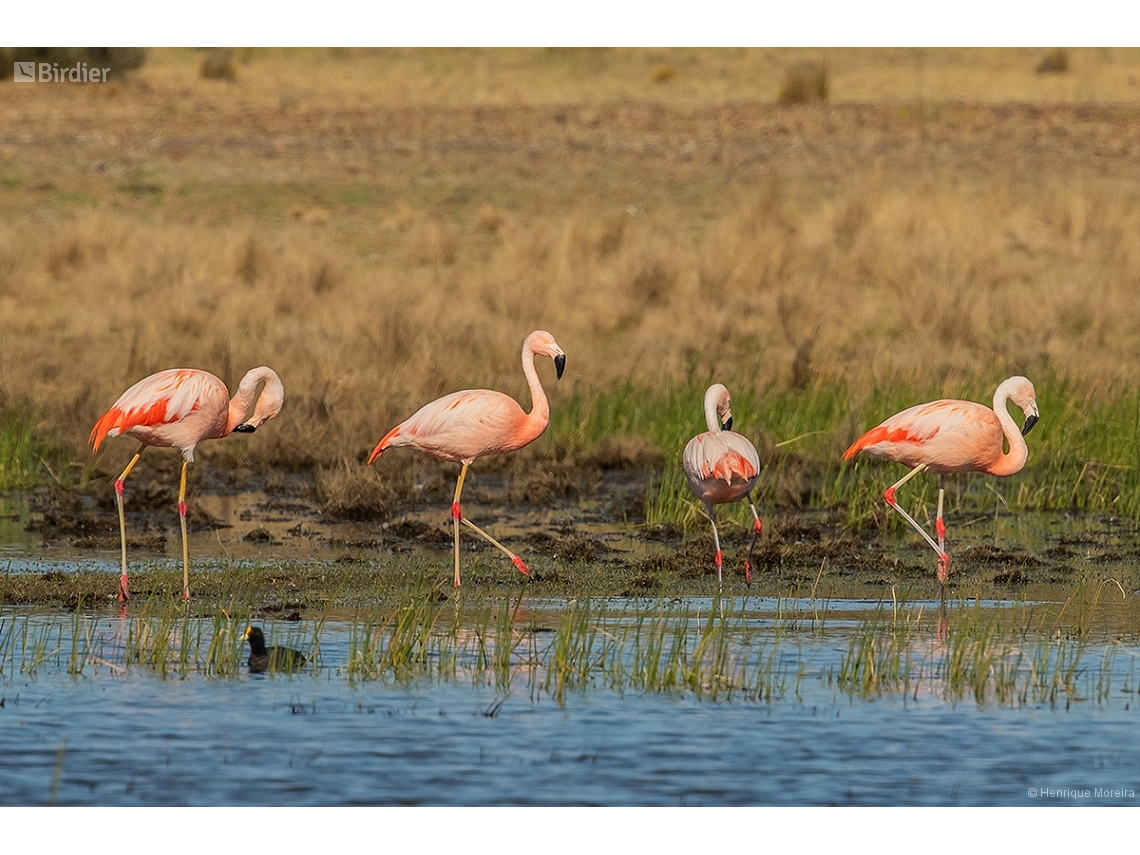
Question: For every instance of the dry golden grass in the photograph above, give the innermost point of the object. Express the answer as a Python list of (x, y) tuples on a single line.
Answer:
[(384, 227), (350, 78), (876, 282)]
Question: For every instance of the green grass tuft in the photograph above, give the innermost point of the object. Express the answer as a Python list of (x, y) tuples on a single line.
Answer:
[(27, 450)]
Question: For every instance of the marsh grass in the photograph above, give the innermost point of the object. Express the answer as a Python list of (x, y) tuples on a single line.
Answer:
[(982, 653), (665, 648), (716, 649), (402, 642), (26, 645)]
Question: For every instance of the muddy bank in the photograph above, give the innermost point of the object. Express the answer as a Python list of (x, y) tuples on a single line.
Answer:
[(280, 552)]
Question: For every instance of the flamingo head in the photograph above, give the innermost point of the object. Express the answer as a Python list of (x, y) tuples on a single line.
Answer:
[(718, 413), (542, 343), (269, 402), (1020, 391)]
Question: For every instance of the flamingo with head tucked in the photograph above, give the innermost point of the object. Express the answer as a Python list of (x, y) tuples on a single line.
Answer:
[(722, 467), (952, 436), (178, 408), (464, 426)]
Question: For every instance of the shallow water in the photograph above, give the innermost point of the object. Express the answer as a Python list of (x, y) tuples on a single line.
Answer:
[(110, 736)]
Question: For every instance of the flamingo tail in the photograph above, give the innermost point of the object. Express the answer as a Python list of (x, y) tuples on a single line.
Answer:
[(873, 437), (108, 422), (383, 444)]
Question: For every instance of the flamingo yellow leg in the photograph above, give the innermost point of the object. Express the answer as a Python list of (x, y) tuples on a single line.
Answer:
[(185, 545), (124, 590), (457, 518)]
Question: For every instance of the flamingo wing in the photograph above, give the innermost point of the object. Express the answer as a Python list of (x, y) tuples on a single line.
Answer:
[(947, 435), (721, 466), (160, 399), (461, 426)]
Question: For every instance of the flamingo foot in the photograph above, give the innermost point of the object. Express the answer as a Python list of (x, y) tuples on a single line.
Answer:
[(521, 565), (747, 572), (943, 568), (124, 590), (186, 595)]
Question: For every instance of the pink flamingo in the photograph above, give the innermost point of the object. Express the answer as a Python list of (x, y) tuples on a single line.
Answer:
[(178, 408), (952, 436), (722, 467), (464, 426)]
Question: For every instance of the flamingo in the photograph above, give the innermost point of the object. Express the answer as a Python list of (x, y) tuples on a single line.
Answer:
[(464, 426), (952, 436), (722, 467), (178, 408)]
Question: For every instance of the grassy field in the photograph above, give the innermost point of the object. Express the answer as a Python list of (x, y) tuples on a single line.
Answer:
[(382, 227)]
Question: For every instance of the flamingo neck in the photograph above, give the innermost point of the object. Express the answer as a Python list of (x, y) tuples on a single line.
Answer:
[(712, 419), (246, 394), (1013, 460), (539, 416)]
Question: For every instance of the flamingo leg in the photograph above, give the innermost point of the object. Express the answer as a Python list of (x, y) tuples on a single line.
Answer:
[(940, 527), (756, 526), (516, 560), (456, 516), (889, 495), (185, 545), (711, 510), (124, 590)]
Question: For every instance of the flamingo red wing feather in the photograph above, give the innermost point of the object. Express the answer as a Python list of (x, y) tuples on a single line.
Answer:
[(729, 466), (160, 399)]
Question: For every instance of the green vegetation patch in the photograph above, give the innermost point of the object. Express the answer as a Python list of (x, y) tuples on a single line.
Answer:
[(28, 450)]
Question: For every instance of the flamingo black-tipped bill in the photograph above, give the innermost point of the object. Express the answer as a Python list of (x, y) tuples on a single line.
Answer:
[(728, 424), (1030, 421), (560, 364), (246, 428)]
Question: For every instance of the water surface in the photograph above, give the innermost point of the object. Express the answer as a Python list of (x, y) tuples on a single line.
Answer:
[(111, 735)]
